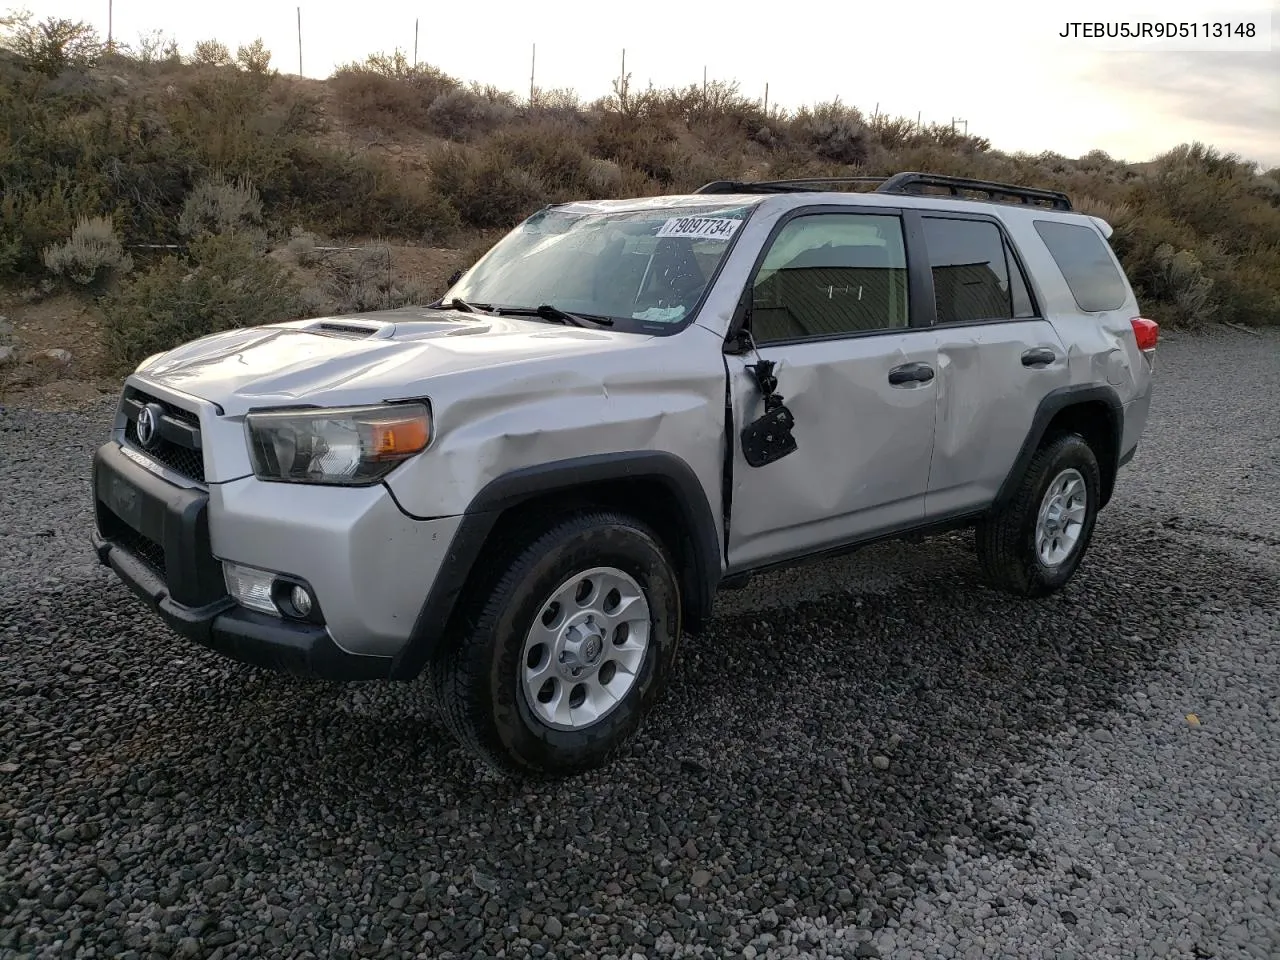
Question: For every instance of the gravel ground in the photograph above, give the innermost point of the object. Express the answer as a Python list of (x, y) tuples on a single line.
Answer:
[(870, 757)]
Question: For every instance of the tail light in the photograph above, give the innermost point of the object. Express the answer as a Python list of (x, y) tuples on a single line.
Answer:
[(1146, 332)]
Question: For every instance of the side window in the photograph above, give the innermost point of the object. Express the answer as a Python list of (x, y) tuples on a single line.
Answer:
[(975, 276), (1086, 265), (829, 274)]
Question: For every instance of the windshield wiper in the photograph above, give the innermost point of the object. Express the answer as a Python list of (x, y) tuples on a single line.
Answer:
[(457, 303), (554, 314)]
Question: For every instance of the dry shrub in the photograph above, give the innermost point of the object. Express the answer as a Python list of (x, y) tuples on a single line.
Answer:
[(1180, 281), (386, 93), (211, 53), (92, 255), (550, 154), (302, 247), (560, 104), (834, 132), (361, 280), (647, 145), (466, 115), (254, 57), (218, 205), (374, 102)]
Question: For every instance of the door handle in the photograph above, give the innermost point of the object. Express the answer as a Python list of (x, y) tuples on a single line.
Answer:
[(910, 373), (1038, 357)]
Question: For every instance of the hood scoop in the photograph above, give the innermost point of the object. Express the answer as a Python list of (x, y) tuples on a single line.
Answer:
[(345, 330), (348, 328)]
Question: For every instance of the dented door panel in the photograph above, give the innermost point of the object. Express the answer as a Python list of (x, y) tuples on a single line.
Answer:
[(988, 392), (861, 465)]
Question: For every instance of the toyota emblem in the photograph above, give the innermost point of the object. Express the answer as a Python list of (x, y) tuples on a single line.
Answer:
[(148, 420)]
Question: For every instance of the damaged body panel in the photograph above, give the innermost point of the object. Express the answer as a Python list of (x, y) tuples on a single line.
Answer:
[(863, 446)]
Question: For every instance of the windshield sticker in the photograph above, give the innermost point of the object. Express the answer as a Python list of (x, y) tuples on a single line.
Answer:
[(700, 228)]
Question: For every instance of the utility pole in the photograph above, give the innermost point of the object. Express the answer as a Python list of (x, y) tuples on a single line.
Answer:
[(766, 101), (110, 21), (533, 63), (415, 43), (299, 41), (955, 120), (704, 82)]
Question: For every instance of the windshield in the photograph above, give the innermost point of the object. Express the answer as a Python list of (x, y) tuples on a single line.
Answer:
[(650, 267)]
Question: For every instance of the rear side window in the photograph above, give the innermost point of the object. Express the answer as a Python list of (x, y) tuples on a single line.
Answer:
[(975, 278), (1086, 265)]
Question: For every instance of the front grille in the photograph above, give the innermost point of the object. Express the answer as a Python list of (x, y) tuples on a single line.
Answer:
[(177, 443)]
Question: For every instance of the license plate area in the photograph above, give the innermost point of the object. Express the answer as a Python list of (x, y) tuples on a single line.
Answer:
[(163, 525), (122, 498)]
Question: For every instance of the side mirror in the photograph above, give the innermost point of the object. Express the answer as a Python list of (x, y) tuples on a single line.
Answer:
[(769, 437)]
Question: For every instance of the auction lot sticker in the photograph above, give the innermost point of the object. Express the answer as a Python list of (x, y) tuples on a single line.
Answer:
[(700, 228)]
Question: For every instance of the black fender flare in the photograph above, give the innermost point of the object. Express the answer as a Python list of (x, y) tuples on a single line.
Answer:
[(701, 579), (1052, 404)]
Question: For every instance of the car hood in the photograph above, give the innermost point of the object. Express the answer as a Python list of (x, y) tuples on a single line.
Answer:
[(365, 358)]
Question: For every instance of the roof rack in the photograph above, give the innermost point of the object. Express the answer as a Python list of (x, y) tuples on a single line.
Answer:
[(780, 186), (902, 184)]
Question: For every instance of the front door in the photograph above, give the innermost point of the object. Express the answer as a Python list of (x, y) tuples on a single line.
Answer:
[(830, 310)]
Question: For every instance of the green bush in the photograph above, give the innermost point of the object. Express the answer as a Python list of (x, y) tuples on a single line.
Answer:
[(485, 189), (344, 195), (221, 284), (50, 45), (33, 219)]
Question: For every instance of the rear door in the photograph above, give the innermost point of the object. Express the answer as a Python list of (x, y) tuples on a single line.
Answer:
[(997, 359), (832, 309)]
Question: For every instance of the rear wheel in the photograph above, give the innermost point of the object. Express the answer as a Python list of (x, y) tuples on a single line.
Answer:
[(1033, 545), (554, 666)]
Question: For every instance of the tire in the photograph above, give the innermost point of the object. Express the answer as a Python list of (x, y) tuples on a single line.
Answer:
[(481, 676), (1007, 540)]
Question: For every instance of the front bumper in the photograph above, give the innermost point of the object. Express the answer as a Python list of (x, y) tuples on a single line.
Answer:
[(155, 536)]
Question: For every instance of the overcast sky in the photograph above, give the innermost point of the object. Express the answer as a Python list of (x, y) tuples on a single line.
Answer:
[(1000, 65)]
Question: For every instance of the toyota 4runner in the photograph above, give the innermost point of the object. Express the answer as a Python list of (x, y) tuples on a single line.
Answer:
[(528, 490)]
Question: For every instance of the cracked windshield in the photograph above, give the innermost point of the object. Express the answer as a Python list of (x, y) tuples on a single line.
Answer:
[(650, 266)]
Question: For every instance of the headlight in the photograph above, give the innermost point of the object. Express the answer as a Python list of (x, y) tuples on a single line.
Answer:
[(352, 446)]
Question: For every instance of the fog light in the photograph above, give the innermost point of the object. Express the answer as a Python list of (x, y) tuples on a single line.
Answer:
[(301, 601), (250, 587)]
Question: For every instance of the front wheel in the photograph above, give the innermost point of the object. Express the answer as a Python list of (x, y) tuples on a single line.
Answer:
[(1033, 544), (553, 668)]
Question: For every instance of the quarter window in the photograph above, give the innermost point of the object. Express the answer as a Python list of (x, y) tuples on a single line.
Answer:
[(831, 274), (1086, 265)]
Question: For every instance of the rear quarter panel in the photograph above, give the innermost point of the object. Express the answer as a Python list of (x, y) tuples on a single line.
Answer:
[(1101, 348)]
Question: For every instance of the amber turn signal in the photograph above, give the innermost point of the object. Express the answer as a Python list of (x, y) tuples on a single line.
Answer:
[(400, 438)]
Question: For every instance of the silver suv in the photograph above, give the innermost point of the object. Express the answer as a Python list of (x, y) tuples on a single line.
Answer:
[(528, 490)]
